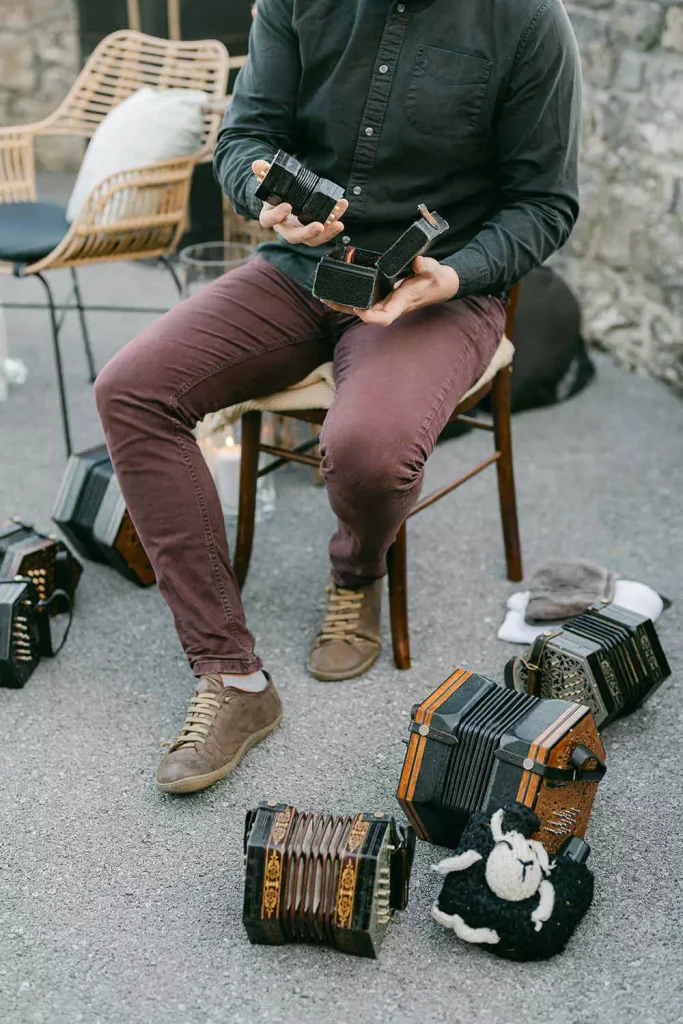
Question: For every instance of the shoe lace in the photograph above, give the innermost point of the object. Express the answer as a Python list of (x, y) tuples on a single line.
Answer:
[(200, 716), (342, 614)]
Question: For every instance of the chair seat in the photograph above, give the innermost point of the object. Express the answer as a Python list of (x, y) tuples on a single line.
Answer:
[(502, 357), (317, 390), (29, 231)]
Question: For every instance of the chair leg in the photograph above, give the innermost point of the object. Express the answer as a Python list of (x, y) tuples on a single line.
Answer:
[(168, 263), (84, 327), (398, 599), (58, 363), (506, 479), (246, 519)]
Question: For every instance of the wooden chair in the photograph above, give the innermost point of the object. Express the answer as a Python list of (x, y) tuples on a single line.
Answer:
[(134, 214), (498, 386)]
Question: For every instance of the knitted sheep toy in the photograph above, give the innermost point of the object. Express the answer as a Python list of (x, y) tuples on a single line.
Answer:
[(502, 890)]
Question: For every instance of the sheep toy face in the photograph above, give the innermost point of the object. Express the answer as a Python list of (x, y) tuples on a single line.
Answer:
[(516, 867)]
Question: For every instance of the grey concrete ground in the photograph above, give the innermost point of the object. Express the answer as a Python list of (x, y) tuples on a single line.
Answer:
[(118, 904)]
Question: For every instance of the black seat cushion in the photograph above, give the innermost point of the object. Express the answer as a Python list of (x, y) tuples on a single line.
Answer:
[(29, 231)]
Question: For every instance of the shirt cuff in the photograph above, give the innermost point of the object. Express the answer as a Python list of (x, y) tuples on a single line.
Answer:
[(253, 204), (471, 268)]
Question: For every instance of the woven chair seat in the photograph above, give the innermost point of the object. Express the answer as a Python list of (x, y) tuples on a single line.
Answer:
[(317, 391)]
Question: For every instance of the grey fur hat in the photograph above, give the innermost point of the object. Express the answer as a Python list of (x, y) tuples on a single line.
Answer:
[(560, 589)]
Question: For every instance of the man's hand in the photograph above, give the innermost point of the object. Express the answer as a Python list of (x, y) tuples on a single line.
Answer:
[(433, 282), (289, 227)]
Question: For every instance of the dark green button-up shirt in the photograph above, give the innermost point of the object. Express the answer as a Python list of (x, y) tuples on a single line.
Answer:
[(469, 106)]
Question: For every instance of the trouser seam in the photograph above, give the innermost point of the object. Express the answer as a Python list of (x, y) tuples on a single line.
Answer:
[(406, 496), (470, 343), (209, 539), (429, 419)]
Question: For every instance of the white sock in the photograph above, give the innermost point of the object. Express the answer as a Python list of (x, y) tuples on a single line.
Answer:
[(254, 682)]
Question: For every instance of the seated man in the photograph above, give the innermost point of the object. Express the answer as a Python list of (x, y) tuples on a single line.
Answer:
[(470, 108)]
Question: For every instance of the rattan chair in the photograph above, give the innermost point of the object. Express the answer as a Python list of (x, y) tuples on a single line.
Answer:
[(133, 214), (496, 381)]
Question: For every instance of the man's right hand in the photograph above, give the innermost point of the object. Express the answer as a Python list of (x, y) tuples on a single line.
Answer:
[(281, 219)]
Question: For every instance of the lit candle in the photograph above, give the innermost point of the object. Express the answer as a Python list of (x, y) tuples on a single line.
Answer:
[(227, 472)]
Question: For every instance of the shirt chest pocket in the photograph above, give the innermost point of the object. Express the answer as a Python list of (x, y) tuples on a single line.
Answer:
[(447, 92)]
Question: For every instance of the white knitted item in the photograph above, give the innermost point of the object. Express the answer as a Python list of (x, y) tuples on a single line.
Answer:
[(317, 391)]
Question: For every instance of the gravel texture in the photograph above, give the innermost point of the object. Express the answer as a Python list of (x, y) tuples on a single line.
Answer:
[(119, 904)]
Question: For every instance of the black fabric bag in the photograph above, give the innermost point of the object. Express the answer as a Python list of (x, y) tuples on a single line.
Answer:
[(551, 362)]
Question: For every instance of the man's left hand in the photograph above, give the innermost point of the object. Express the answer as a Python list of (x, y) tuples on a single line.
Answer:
[(432, 282)]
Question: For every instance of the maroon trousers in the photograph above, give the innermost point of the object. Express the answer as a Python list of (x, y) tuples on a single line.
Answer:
[(250, 333)]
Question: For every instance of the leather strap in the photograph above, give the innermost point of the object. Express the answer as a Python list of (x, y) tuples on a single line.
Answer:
[(509, 673), (44, 631), (422, 729), (576, 773), (533, 662), (45, 647), (401, 865)]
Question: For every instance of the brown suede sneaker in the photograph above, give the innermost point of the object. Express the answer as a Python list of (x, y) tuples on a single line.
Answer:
[(222, 724), (348, 642)]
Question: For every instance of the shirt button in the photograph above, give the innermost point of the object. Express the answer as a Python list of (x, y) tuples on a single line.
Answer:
[(369, 131), (346, 239), (383, 68), (357, 190)]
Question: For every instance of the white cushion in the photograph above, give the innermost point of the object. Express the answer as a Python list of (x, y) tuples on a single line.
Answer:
[(148, 126), (502, 357)]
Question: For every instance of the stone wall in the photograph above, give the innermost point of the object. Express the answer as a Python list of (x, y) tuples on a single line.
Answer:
[(626, 255), (38, 63)]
